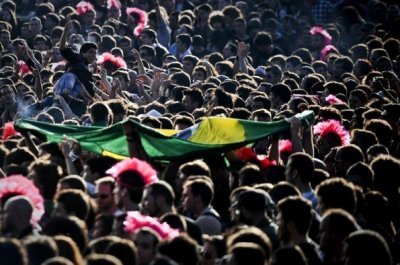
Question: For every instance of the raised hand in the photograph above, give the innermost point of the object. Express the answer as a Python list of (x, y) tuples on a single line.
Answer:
[(145, 79), (67, 22), (103, 73), (243, 49), (135, 54), (140, 86)]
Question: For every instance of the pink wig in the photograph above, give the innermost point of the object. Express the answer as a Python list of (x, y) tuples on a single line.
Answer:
[(114, 3), (148, 174), (9, 131), (332, 99), (24, 68), (20, 185), (141, 19), (326, 50), (118, 62), (332, 126), (319, 30), (285, 146), (84, 7), (135, 221)]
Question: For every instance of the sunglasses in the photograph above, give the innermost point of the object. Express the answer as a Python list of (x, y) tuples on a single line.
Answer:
[(101, 196)]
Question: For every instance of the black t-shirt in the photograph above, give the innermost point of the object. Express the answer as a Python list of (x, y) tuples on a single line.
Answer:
[(78, 65)]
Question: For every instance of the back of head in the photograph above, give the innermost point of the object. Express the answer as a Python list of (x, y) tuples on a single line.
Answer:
[(304, 164), (247, 253), (202, 187), (289, 255), (72, 227), (382, 130), (73, 182), (360, 174), (367, 247), (102, 259), (124, 250), (339, 222), (188, 253), (46, 174), (164, 190), (282, 190), (100, 113), (250, 175), (298, 210), (252, 235), (40, 248), (86, 46), (19, 156), (58, 261), (100, 244), (282, 91), (12, 252), (254, 201), (68, 249), (328, 192), (351, 153), (21, 206), (386, 174), (75, 202)]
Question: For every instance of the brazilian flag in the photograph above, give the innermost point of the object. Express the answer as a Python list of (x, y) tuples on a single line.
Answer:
[(214, 135)]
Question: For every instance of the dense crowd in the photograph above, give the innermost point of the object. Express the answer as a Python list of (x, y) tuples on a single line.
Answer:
[(325, 192)]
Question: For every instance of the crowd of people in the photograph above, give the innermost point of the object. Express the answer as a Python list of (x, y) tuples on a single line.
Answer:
[(322, 193)]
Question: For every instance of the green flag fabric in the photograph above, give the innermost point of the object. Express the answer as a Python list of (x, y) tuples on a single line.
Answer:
[(214, 135)]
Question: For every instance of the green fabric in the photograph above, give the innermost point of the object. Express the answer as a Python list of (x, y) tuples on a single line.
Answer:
[(159, 147)]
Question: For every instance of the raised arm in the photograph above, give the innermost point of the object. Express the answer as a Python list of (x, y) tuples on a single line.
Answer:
[(64, 36), (295, 126), (243, 50), (135, 146), (138, 58), (38, 84)]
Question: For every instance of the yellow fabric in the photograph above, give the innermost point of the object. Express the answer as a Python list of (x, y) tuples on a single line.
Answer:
[(112, 155), (218, 130), (168, 132)]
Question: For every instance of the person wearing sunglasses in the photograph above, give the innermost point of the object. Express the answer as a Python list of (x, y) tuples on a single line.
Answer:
[(104, 196)]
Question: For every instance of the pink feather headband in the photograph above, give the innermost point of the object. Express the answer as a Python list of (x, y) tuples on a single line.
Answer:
[(326, 50), (142, 19), (115, 60), (20, 185), (135, 221), (332, 126), (323, 32), (332, 99), (285, 146), (149, 175), (9, 131), (84, 7), (114, 3)]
